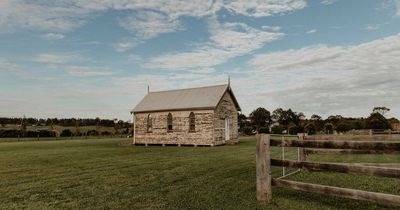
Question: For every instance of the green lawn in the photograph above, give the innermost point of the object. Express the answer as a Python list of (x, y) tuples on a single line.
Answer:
[(101, 174)]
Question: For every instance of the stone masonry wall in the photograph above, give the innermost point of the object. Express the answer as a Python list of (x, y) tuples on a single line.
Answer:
[(180, 134), (226, 109)]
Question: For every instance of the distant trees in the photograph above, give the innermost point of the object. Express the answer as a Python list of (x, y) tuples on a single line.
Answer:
[(260, 118), (289, 121), (377, 121), (67, 122), (381, 110)]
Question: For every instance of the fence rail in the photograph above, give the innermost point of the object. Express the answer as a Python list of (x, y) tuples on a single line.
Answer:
[(339, 192), (370, 145), (264, 163), (341, 168)]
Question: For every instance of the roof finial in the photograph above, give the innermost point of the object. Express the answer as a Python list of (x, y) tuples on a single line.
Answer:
[(148, 88), (229, 80)]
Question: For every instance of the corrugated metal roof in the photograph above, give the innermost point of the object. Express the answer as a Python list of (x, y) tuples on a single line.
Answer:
[(191, 98)]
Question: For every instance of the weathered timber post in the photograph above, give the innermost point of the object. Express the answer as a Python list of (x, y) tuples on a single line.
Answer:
[(370, 132), (302, 151), (263, 168)]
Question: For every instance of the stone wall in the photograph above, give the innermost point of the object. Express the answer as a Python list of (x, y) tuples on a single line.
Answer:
[(226, 109), (180, 134)]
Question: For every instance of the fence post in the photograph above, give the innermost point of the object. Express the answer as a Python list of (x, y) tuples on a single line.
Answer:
[(302, 151), (263, 168)]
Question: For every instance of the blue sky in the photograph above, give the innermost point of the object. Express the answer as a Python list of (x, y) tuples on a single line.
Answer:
[(95, 58)]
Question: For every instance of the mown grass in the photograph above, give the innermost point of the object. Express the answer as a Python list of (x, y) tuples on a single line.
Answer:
[(101, 174)]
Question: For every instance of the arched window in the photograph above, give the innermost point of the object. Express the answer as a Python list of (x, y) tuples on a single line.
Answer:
[(149, 123), (169, 122), (192, 122)]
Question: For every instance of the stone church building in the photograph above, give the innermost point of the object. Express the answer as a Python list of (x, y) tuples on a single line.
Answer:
[(193, 116)]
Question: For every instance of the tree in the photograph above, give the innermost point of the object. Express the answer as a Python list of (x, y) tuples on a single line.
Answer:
[(285, 117), (381, 110), (242, 121), (377, 121), (315, 117), (66, 133), (247, 130), (328, 127), (277, 129), (344, 127), (23, 126), (310, 128), (260, 117)]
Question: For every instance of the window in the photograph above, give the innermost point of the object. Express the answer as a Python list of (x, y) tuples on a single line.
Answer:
[(149, 123), (192, 122), (169, 122)]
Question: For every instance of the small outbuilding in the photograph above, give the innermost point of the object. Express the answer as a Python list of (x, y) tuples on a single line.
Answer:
[(193, 116)]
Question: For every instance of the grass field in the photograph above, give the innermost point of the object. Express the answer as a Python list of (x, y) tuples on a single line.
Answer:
[(101, 174)]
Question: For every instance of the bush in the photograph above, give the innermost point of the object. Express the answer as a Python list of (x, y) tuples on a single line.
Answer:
[(263, 130), (92, 133), (344, 127), (377, 121), (278, 129), (310, 129), (247, 130), (105, 133), (66, 133), (10, 133), (328, 127), (295, 129)]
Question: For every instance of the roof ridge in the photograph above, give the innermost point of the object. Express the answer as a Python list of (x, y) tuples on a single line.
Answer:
[(162, 91)]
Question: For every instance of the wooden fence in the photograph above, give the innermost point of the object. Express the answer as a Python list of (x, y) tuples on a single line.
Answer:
[(265, 180)]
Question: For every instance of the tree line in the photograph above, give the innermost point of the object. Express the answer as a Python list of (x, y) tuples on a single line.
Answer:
[(288, 121), (65, 122), (119, 126)]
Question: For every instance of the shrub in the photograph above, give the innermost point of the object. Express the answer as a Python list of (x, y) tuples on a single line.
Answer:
[(92, 133), (10, 133), (46, 133), (105, 133), (328, 127), (343, 127), (377, 121), (310, 128), (295, 129), (278, 129), (263, 130), (66, 133), (247, 130)]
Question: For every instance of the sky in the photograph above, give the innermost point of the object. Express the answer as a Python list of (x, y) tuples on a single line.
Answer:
[(95, 58)]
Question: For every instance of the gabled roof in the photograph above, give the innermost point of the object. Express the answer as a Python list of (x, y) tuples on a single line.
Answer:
[(184, 99)]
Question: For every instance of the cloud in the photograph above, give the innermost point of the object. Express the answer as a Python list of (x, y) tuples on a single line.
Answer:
[(53, 36), (328, 2), (227, 40), (347, 80), (53, 58), (255, 8), (311, 31), (6, 66), (272, 28), (83, 71), (126, 44), (146, 19), (60, 16), (397, 5), (148, 24)]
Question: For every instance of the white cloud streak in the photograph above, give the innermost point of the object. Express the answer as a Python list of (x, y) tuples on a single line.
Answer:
[(227, 41), (327, 80), (53, 58), (311, 31), (53, 36), (83, 71)]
